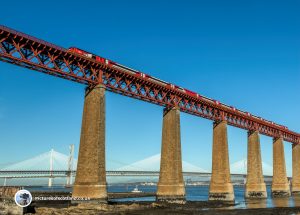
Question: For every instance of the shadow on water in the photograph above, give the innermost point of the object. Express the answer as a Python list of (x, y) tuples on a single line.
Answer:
[(296, 201), (282, 202), (256, 203)]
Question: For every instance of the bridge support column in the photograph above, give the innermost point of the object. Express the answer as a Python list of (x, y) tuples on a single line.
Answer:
[(220, 188), (171, 185), (296, 170), (255, 185), (280, 184), (90, 178)]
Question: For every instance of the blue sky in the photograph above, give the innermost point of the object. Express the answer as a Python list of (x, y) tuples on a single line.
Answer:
[(243, 53)]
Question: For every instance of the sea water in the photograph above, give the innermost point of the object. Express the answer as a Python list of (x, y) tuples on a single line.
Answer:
[(193, 193), (200, 193)]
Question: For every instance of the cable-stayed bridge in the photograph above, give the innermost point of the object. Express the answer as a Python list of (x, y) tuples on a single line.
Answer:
[(53, 164)]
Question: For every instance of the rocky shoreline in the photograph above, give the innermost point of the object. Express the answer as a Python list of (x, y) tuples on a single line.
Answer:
[(135, 208), (207, 208), (8, 206)]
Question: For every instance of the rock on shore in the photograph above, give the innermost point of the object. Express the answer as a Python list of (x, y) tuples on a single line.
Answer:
[(163, 208)]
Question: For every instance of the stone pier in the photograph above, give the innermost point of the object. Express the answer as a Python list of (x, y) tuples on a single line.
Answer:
[(280, 184), (90, 178), (220, 188), (296, 170), (255, 185), (171, 185)]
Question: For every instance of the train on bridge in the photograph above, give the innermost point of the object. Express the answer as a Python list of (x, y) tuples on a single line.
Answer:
[(86, 68), (161, 82)]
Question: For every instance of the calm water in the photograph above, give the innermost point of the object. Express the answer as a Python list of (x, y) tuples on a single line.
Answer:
[(197, 193)]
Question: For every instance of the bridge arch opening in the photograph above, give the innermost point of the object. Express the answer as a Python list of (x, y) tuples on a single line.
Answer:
[(131, 139)]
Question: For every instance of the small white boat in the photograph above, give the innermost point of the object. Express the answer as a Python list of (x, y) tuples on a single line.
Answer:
[(136, 190)]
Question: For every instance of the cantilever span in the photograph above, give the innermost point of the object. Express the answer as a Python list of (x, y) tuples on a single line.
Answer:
[(101, 74), (32, 53)]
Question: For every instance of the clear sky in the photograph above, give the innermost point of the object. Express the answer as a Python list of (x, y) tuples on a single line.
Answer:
[(243, 53)]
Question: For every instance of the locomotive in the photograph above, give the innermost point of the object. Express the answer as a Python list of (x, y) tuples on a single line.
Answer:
[(160, 82)]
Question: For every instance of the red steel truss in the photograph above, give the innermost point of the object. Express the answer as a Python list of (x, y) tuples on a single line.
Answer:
[(32, 53)]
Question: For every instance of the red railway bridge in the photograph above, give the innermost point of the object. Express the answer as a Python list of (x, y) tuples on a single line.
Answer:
[(100, 74)]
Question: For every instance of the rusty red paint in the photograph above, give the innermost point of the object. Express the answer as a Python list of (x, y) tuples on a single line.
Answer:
[(27, 51)]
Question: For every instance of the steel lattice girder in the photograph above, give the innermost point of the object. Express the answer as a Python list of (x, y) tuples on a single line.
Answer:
[(32, 53)]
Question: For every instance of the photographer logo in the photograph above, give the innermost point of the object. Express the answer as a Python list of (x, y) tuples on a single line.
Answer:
[(23, 198)]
